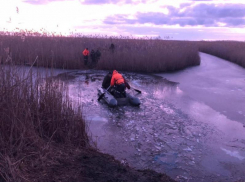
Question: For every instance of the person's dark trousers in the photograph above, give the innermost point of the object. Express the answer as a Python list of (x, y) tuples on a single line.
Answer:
[(85, 60), (93, 60), (121, 89), (93, 57), (96, 60)]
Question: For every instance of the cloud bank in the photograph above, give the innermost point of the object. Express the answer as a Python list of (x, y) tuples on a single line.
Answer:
[(42, 2), (208, 15)]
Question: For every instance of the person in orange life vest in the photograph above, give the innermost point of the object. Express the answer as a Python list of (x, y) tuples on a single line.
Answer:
[(119, 83), (85, 56)]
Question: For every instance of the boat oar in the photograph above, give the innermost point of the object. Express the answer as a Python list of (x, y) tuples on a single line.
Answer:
[(137, 90), (102, 95), (127, 85)]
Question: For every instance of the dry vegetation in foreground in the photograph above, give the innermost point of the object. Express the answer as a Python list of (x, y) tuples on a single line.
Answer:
[(43, 138), (36, 121), (138, 55), (229, 50)]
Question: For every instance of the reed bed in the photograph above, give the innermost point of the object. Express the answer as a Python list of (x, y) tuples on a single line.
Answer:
[(38, 125), (150, 56), (229, 50), (130, 54)]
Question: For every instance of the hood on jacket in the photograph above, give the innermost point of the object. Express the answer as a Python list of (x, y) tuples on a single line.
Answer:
[(114, 72)]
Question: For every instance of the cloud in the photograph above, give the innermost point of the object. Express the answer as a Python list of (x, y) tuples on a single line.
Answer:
[(201, 0), (188, 33), (119, 19), (209, 15), (212, 11), (114, 1), (99, 1), (107, 1), (41, 2), (88, 2)]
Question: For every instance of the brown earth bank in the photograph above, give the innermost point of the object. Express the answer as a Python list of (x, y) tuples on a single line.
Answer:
[(81, 165), (95, 166)]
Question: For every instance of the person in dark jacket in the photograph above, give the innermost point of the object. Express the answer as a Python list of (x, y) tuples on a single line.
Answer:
[(97, 55), (93, 56), (112, 48), (107, 80)]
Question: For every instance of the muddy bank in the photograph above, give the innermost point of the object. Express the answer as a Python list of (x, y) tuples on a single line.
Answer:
[(70, 164), (95, 166)]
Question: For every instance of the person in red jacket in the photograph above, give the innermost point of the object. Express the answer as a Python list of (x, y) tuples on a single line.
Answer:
[(85, 56), (119, 84)]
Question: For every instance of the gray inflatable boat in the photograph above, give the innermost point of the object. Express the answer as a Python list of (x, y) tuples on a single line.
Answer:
[(113, 102)]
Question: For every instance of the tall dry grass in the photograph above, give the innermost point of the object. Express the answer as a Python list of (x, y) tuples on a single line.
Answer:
[(131, 54), (37, 123), (150, 55), (230, 50)]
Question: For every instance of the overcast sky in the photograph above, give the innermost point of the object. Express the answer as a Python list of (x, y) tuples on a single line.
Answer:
[(174, 19)]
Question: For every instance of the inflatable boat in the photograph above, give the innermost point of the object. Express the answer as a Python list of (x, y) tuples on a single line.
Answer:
[(112, 101)]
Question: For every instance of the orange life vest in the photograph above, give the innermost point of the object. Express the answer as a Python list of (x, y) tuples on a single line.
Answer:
[(117, 78), (86, 52)]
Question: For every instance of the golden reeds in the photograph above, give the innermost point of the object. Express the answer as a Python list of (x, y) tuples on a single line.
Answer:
[(37, 124), (229, 50), (130, 54)]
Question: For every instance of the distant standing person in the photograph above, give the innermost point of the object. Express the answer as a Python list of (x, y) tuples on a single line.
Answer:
[(97, 55), (93, 56), (112, 47), (85, 56)]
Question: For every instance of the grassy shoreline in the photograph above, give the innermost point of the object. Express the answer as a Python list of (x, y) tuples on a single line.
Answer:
[(232, 51)]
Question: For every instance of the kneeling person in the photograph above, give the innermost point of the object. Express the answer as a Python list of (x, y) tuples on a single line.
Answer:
[(119, 84)]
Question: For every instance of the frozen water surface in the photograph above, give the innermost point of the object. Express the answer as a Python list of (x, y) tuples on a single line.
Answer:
[(190, 124)]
